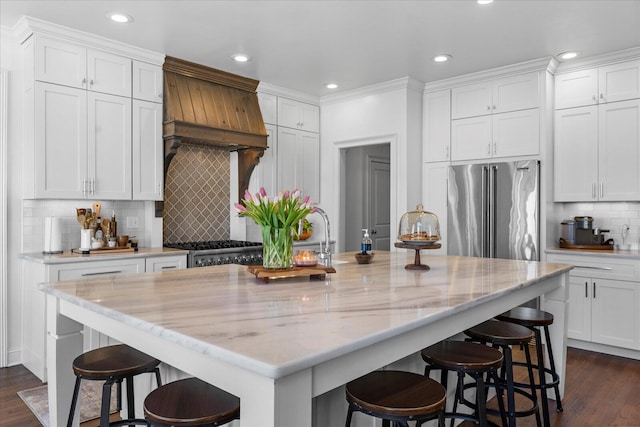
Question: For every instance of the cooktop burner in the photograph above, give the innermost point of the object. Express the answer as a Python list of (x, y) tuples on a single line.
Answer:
[(212, 245)]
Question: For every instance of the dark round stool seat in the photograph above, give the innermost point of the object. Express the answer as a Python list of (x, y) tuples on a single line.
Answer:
[(113, 365), (474, 360), (500, 333), (526, 316), (113, 361), (191, 402), (396, 396)]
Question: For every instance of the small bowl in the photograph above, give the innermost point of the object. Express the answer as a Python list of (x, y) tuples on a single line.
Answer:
[(364, 258), (97, 244)]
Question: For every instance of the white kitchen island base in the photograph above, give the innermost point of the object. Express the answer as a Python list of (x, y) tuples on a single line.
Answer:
[(278, 346)]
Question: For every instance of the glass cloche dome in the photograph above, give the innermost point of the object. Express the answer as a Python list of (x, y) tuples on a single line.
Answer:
[(419, 227)]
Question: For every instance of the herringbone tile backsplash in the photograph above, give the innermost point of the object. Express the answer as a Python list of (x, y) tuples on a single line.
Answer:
[(197, 196)]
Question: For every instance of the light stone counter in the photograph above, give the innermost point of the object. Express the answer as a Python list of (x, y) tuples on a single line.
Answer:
[(69, 257), (279, 345)]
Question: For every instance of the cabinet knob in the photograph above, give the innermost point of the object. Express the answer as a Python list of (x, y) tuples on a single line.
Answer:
[(160, 95), (594, 98), (494, 107), (84, 81), (602, 97), (91, 82), (488, 107)]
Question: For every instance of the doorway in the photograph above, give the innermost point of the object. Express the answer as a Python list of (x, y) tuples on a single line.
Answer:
[(4, 329), (366, 189)]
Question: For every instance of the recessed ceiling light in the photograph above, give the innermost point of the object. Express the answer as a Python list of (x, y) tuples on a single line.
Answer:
[(331, 86), (568, 55), (442, 58), (485, 1), (120, 18), (241, 57)]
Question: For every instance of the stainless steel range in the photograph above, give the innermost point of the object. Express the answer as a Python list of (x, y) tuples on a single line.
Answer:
[(218, 252)]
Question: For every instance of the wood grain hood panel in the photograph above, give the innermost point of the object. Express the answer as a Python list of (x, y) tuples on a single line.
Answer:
[(211, 107)]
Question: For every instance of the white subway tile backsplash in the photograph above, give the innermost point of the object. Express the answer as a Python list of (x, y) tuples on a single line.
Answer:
[(611, 216)]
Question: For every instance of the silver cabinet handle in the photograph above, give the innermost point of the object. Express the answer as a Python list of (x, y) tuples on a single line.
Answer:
[(488, 149), (495, 148), (446, 151), (168, 267), (593, 190), (102, 273), (594, 290), (91, 82), (84, 187), (601, 189), (591, 267), (586, 290)]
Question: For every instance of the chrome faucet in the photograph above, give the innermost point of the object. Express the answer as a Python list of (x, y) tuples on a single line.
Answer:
[(325, 253)]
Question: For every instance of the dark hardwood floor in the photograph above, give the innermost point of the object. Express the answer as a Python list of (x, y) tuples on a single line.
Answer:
[(601, 391)]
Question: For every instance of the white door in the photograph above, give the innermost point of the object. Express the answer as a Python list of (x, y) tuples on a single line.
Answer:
[(379, 200), (4, 77)]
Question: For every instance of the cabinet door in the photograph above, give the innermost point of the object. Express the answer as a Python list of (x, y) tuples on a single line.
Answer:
[(164, 263), (97, 269), (147, 82), (109, 146), (435, 197), (516, 133), (579, 313), (619, 151), (576, 154), (60, 142), (264, 174), (576, 89), (619, 82), (515, 93), (616, 313), (108, 73), (437, 126), (471, 138), (287, 158), (268, 107), (298, 115), (148, 151), (309, 165), (60, 62), (471, 100), (309, 117)]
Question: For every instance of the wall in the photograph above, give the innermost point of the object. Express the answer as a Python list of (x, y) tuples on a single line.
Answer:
[(385, 113)]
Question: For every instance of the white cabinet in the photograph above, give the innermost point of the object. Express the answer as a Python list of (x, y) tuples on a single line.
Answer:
[(604, 141), (298, 115), (615, 82), (437, 125), (268, 107), (298, 162), (148, 151), (147, 82), (604, 300), (164, 263), (69, 64), (514, 93), (264, 174), (434, 197), (500, 135)]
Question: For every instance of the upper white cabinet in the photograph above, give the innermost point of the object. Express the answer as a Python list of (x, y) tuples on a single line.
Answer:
[(298, 115), (268, 107), (68, 64), (610, 83), (83, 136), (514, 93), (437, 126), (264, 174), (604, 141), (298, 162), (147, 82)]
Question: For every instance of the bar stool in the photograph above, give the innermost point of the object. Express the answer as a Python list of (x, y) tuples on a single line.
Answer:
[(467, 358), (534, 319), (113, 364), (503, 335), (190, 402), (396, 397)]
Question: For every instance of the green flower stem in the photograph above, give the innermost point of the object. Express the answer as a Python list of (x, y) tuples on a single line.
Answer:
[(277, 248)]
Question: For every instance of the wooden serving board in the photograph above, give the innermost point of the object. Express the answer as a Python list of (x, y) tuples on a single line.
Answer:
[(105, 251), (317, 272), (566, 245)]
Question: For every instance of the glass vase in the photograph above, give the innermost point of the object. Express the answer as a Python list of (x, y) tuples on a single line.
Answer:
[(277, 248)]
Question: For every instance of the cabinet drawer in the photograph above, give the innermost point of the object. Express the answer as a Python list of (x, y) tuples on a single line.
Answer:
[(99, 269), (600, 267), (166, 263)]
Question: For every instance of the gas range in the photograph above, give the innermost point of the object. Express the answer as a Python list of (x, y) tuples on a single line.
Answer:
[(218, 252)]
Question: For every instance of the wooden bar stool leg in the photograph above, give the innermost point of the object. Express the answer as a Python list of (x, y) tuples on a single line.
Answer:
[(552, 365)]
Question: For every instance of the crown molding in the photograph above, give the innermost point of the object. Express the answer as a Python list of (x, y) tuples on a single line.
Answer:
[(403, 83), (28, 26), (594, 61), (271, 89), (543, 64)]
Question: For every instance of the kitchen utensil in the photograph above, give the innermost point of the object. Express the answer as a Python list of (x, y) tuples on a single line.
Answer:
[(584, 222), (96, 208), (568, 231)]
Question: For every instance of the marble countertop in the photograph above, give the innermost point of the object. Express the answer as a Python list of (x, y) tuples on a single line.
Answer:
[(68, 257), (632, 254), (289, 324)]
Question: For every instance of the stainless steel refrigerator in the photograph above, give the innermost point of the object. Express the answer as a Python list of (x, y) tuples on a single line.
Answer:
[(493, 210)]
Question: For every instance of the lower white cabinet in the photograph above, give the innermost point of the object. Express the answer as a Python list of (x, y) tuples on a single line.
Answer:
[(34, 353), (604, 300)]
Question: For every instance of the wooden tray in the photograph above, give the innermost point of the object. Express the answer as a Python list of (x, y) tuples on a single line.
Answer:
[(604, 247), (115, 250), (317, 272)]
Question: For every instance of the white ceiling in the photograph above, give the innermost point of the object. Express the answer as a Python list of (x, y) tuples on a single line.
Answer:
[(302, 45)]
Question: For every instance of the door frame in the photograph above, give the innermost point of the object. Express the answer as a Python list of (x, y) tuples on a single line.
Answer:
[(4, 319)]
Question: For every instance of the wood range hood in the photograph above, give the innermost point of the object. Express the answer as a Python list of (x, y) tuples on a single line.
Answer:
[(205, 106)]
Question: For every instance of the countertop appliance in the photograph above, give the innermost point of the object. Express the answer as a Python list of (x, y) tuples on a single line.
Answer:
[(218, 252), (493, 210)]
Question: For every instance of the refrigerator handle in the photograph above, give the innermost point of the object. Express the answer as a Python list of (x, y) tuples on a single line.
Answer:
[(493, 178), (485, 212)]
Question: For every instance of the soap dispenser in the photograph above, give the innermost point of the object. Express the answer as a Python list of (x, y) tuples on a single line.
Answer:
[(365, 246)]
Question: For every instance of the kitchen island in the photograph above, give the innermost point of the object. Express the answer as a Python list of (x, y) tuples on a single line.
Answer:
[(280, 345)]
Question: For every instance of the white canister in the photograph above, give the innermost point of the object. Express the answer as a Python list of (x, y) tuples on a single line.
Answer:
[(52, 235), (85, 239)]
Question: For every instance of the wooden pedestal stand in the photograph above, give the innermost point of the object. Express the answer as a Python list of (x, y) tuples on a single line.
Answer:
[(417, 247)]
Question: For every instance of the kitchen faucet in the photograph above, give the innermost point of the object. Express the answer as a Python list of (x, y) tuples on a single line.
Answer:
[(325, 254)]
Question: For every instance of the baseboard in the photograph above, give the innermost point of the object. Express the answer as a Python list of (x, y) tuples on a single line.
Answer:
[(606, 349)]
